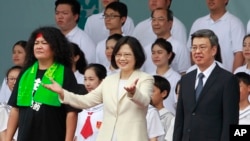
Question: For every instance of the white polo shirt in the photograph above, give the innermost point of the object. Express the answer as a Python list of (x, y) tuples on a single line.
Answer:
[(4, 92), (154, 125), (96, 29), (230, 31), (96, 119), (78, 36), (242, 69), (100, 53), (181, 60), (248, 27), (144, 32)]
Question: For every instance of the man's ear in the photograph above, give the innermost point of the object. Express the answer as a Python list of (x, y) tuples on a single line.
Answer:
[(123, 20), (215, 49), (248, 89), (164, 93), (76, 16)]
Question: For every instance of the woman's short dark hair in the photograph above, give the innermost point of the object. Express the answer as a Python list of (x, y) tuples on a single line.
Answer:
[(164, 44), (21, 43), (115, 37), (57, 42), (246, 36), (82, 63), (13, 68), (136, 48), (99, 70)]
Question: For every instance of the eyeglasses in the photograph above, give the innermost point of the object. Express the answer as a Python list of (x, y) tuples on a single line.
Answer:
[(105, 16), (201, 48), (125, 55), (11, 79)]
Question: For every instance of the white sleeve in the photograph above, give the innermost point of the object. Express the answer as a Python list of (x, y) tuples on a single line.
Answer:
[(89, 48), (248, 27), (4, 92), (154, 125), (169, 134), (179, 31), (128, 27)]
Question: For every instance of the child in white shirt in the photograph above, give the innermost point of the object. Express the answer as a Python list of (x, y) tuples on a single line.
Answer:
[(160, 93), (244, 82)]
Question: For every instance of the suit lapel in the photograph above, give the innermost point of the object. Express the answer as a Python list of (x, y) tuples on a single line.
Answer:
[(114, 87), (191, 88), (209, 83)]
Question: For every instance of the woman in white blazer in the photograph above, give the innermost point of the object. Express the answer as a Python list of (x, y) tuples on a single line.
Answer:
[(125, 95)]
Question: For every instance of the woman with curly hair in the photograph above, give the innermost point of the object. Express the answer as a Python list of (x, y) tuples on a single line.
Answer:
[(37, 112)]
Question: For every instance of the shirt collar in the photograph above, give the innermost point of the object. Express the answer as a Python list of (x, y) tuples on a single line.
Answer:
[(206, 72), (72, 32), (223, 18)]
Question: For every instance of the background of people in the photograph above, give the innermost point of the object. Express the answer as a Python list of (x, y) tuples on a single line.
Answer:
[(42, 14), (18, 58), (11, 77), (79, 62), (244, 84)]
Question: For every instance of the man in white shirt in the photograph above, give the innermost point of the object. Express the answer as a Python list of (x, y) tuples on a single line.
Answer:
[(162, 20), (67, 14), (144, 32), (96, 29), (229, 30)]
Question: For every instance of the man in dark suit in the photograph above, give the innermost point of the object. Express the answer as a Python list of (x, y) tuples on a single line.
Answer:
[(206, 116)]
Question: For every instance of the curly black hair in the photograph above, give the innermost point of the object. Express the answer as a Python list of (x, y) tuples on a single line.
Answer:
[(57, 42)]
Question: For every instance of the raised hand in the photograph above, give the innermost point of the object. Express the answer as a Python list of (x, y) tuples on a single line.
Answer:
[(131, 89), (54, 87)]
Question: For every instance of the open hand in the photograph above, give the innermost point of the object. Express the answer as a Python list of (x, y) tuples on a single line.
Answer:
[(54, 87), (131, 89)]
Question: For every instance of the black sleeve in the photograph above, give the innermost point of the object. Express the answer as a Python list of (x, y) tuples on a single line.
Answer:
[(71, 85), (81, 89)]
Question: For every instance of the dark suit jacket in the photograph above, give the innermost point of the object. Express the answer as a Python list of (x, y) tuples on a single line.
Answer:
[(208, 118)]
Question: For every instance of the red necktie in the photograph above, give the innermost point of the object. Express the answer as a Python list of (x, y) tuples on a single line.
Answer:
[(87, 128)]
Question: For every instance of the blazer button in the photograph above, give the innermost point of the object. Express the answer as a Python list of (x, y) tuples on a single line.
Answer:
[(189, 130), (193, 114)]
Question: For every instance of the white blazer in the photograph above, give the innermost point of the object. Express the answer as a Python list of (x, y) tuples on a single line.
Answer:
[(124, 116)]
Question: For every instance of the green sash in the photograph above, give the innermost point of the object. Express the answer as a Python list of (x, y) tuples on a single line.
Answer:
[(42, 95)]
